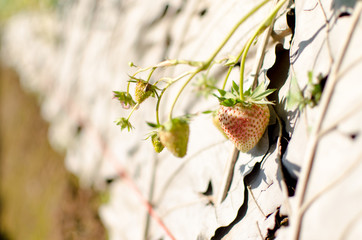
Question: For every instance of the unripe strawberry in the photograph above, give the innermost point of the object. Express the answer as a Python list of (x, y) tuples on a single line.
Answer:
[(156, 142), (143, 91), (244, 124), (174, 135)]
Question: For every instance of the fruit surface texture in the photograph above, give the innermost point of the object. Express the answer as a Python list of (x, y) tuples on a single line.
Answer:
[(156, 142), (143, 91), (244, 124), (175, 135)]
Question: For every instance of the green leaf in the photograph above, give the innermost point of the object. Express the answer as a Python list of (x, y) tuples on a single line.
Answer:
[(222, 92), (264, 94), (235, 87), (207, 112), (124, 123), (153, 125), (230, 102), (310, 76)]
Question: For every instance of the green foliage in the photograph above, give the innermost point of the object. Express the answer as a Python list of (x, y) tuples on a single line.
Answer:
[(258, 95), (296, 98), (124, 123)]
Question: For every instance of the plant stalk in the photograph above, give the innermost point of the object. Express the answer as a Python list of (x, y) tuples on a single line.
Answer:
[(134, 108), (212, 57), (236, 26), (266, 23)]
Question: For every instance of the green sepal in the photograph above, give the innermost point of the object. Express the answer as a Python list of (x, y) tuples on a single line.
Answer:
[(257, 96), (124, 123), (125, 99), (175, 122), (153, 125), (208, 111)]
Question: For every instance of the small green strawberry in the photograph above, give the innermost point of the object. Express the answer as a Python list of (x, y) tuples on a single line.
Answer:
[(174, 135), (244, 121), (156, 142), (143, 90)]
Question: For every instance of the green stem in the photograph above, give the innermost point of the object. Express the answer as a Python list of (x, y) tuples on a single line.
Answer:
[(212, 57), (266, 23), (227, 77), (158, 105), (232, 66), (134, 108), (163, 91), (149, 76), (182, 88), (190, 63), (172, 80), (236, 26)]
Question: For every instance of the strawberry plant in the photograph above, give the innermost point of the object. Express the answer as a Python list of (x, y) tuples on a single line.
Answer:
[(242, 115), (244, 121)]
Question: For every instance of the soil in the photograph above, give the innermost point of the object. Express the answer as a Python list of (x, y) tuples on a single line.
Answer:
[(39, 199)]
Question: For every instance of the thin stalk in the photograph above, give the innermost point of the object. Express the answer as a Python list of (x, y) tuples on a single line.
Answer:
[(243, 59), (261, 28), (212, 57), (172, 80), (182, 88), (227, 77), (134, 108), (231, 67), (149, 76), (158, 105), (236, 26)]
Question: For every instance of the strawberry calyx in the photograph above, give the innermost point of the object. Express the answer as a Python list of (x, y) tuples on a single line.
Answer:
[(125, 99), (256, 96), (143, 89), (124, 123)]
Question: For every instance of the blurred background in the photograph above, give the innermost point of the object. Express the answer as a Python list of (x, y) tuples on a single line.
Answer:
[(39, 198)]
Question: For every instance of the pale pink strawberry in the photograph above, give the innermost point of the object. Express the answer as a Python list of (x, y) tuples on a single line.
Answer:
[(244, 124)]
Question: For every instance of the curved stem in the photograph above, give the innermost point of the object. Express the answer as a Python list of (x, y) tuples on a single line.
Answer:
[(261, 28), (158, 105), (227, 77), (243, 59), (231, 67), (149, 76), (182, 88), (236, 26), (212, 57), (134, 108), (172, 80)]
